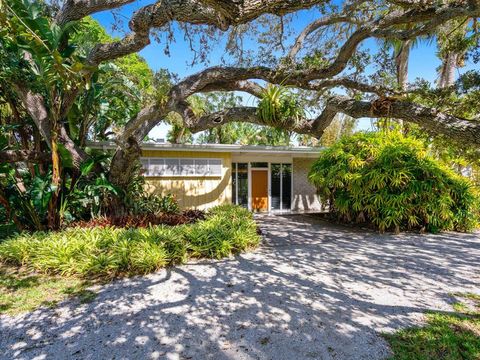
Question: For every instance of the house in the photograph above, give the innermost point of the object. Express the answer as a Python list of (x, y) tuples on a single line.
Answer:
[(260, 178)]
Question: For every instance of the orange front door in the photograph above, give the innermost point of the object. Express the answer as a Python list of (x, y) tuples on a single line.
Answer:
[(259, 190)]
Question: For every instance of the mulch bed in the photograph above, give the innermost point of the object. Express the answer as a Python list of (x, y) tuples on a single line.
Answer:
[(144, 220)]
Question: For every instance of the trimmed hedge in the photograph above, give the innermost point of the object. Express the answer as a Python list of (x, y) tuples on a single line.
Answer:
[(391, 181), (110, 251)]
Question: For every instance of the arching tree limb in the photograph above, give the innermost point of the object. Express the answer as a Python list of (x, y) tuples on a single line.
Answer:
[(14, 156), (436, 123)]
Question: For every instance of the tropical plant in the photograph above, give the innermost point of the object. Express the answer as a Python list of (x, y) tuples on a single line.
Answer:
[(155, 204), (107, 252), (392, 182), (280, 107)]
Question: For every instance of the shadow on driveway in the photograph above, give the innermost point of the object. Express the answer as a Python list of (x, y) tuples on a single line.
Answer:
[(313, 290)]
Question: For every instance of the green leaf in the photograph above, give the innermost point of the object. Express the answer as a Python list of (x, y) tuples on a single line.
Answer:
[(87, 166), (65, 156)]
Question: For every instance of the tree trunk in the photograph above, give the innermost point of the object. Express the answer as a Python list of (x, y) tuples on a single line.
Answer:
[(401, 63), (53, 214), (125, 163), (447, 70)]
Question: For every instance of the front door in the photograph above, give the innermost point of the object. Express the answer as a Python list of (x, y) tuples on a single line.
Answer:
[(260, 190)]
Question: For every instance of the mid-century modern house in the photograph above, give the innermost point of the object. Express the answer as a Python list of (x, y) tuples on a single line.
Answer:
[(260, 178)]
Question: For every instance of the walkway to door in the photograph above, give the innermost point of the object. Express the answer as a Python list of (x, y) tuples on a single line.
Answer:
[(311, 291)]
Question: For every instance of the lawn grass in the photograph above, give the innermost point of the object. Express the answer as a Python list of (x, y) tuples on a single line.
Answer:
[(447, 336), (22, 291)]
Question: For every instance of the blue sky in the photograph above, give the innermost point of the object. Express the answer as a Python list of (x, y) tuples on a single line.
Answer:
[(423, 61)]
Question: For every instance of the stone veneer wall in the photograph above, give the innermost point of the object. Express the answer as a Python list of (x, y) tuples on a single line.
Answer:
[(304, 197)]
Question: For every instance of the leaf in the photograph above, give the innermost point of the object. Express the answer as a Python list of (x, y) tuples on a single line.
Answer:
[(41, 192), (87, 166), (65, 156)]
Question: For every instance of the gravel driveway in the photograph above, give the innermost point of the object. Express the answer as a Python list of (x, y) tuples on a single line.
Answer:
[(313, 290)]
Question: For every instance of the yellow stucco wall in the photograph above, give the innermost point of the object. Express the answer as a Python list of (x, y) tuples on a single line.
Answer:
[(195, 192)]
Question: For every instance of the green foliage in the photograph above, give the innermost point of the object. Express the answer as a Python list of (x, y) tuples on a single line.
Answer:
[(445, 336), (154, 204), (229, 229), (82, 197), (138, 201), (279, 107), (391, 181), (54, 66), (106, 252), (29, 201)]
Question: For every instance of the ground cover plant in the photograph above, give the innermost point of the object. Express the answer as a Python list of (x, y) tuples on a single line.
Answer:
[(392, 182), (448, 336), (112, 251)]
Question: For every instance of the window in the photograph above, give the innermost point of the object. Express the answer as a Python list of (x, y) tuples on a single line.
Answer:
[(181, 167), (281, 186), (259, 164), (240, 184)]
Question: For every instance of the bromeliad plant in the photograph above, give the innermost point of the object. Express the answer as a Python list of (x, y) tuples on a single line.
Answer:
[(279, 107), (391, 181)]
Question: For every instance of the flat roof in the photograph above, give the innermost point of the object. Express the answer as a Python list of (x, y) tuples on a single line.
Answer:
[(234, 148)]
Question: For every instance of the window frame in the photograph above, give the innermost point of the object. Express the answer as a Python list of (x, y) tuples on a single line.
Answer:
[(178, 171)]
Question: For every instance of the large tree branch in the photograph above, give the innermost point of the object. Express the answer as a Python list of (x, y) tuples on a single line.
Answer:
[(436, 123), (461, 130), (250, 115), (14, 156), (315, 25), (387, 27), (229, 79), (218, 13), (78, 9), (35, 105)]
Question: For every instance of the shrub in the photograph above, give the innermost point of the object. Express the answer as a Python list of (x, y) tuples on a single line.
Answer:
[(391, 181), (229, 229), (155, 204), (138, 202), (109, 251)]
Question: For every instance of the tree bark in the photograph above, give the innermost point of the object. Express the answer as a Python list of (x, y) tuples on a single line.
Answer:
[(14, 156), (124, 163), (401, 64), (447, 70)]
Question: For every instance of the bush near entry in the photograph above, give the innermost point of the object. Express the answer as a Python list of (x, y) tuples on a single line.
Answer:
[(391, 181)]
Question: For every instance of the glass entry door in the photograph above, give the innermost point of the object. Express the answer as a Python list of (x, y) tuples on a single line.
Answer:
[(281, 186), (240, 184)]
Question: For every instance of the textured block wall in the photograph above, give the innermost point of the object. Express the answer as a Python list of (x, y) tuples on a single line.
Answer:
[(304, 197)]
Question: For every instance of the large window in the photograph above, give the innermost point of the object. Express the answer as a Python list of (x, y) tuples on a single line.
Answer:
[(240, 184), (181, 167), (281, 186)]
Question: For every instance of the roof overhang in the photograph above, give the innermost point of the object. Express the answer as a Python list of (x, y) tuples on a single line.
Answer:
[(300, 151)]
